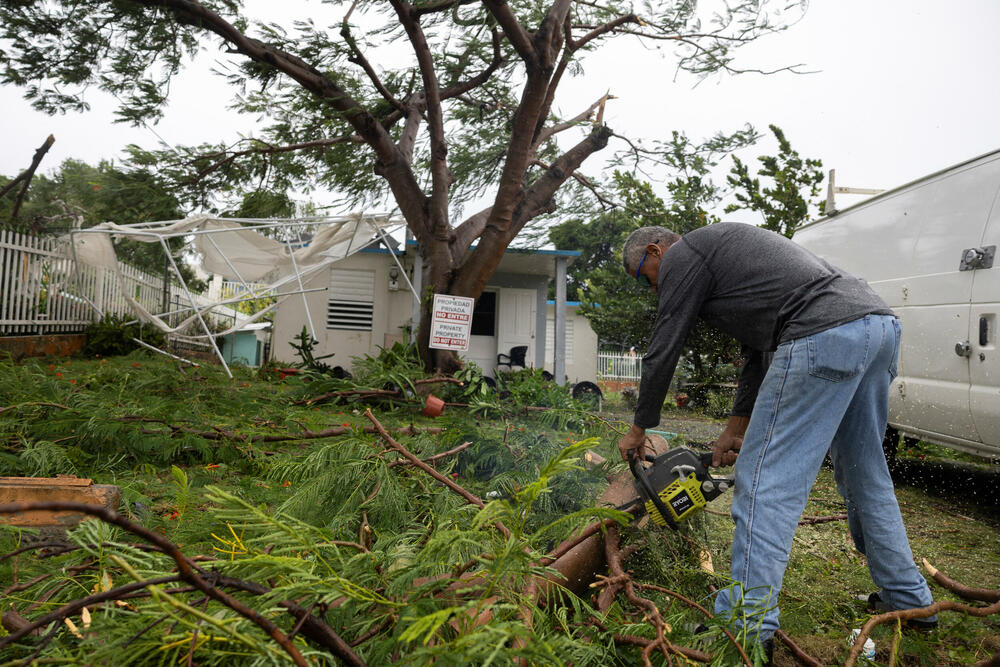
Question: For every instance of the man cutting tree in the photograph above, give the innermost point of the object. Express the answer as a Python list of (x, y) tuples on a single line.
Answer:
[(835, 346)]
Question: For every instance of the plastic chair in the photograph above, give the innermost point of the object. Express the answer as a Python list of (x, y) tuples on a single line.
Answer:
[(515, 358)]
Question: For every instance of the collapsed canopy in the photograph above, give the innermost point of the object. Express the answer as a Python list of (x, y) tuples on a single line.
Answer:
[(236, 249)]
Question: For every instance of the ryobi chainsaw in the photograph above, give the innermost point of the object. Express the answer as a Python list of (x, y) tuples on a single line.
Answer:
[(676, 485)]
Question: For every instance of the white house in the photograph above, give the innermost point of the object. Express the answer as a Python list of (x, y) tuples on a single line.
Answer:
[(367, 304)]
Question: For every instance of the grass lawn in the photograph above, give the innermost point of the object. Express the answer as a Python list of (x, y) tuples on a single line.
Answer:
[(234, 471)]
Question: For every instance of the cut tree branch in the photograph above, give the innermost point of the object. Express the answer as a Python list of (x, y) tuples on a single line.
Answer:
[(552, 130), (943, 580), (25, 177)]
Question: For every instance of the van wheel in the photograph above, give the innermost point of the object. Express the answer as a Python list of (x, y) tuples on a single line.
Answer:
[(890, 447)]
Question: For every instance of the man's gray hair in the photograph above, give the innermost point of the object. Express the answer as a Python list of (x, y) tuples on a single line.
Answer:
[(635, 244)]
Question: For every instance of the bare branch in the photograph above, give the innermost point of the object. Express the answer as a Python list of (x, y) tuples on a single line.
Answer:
[(544, 187), (441, 178), (224, 158), (549, 36), (358, 58), (409, 136), (470, 229), (515, 32), (597, 31), (442, 6), (481, 78)]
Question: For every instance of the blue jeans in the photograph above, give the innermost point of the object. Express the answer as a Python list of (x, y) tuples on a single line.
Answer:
[(824, 392)]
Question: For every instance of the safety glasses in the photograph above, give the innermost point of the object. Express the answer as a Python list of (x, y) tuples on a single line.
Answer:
[(643, 280)]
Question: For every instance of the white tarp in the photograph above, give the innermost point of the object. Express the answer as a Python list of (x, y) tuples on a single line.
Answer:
[(236, 249)]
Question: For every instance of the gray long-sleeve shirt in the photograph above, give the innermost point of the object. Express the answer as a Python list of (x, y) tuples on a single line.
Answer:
[(757, 286)]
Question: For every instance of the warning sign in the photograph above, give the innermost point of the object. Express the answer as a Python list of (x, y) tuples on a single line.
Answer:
[(451, 322)]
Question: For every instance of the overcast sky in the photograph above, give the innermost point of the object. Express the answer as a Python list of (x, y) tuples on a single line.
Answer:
[(902, 88)]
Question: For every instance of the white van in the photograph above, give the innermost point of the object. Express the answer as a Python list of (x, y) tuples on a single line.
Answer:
[(928, 249)]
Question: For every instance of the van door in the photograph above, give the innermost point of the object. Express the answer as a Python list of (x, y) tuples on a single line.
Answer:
[(949, 214), (516, 316), (984, 360)]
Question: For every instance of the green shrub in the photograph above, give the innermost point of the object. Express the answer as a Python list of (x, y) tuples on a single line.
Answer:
[(111, 336)]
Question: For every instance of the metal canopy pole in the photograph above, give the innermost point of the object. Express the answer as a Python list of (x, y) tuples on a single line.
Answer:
[(402, 271), (76, 274), (298, 277), (236, 299), (190, 297)]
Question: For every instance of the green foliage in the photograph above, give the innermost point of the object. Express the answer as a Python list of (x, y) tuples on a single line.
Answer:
[(397, 366), (119, 412), (692, 192), (112, 336), (304, 344), (371, 546), (783, 205), (529, 386), (182, 490), (620, 313)]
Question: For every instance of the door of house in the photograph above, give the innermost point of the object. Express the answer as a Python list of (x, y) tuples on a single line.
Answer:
[(516, 321), (483, 341)]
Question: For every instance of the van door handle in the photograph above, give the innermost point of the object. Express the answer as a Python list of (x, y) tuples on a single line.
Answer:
[(977, 258), (984, 332)]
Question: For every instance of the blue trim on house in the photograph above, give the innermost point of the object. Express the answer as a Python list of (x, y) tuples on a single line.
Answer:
[(574, 304)]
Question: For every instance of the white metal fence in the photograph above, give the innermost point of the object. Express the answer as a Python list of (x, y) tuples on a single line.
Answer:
[(619, 366), (41, 291)]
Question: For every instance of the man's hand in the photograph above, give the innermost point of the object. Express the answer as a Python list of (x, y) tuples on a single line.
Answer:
[(727, 447), (634, 440)]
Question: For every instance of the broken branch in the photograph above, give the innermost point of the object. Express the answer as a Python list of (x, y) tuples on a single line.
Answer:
[(981, 594), (469, 497)]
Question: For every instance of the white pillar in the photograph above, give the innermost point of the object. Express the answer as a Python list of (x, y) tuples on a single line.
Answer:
[(559, 337), (418, 287)]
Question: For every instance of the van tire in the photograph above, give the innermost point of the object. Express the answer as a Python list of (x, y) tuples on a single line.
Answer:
[(890, 447)]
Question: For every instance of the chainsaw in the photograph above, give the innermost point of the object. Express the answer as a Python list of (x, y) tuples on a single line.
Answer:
[(677, 485)]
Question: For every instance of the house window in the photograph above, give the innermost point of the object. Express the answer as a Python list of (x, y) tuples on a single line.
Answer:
[(484, 315), (352, 304), (550, 340)]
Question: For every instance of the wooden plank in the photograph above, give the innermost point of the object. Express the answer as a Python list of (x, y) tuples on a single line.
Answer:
[(65, 480)]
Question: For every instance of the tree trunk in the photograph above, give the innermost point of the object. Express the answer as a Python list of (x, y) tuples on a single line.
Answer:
[(438, 278)]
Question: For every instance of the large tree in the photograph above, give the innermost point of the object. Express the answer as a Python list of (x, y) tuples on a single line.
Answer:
[(468, 115)]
